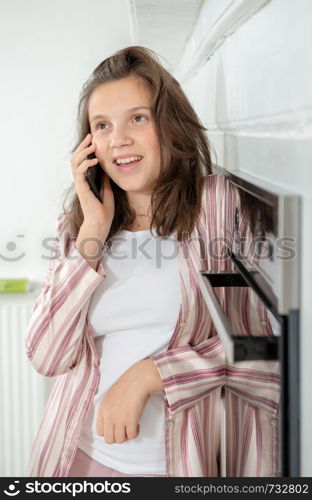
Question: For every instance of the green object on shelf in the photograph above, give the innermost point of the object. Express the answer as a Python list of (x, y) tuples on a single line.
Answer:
[(13, 285)]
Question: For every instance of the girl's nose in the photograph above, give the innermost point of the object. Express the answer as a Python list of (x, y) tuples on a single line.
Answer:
[(120, 135)]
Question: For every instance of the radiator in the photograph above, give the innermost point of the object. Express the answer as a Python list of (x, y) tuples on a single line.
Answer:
[(24, 392)]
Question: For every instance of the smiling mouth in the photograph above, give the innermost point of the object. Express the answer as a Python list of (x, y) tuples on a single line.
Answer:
[(126, 167), (127, 163)]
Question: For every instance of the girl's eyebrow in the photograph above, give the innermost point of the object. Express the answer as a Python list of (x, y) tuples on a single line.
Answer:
[(96, 117)]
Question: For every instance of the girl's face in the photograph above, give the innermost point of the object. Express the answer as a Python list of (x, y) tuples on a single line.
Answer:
[(118, 129)]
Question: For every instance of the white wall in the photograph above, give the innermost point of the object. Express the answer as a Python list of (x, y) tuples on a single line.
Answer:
[(247, 70), (48, 50)]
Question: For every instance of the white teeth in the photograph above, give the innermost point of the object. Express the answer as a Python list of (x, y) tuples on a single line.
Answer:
[(128, 160)]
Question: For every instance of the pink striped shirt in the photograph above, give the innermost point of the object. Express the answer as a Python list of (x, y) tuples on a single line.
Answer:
[(59, 343)]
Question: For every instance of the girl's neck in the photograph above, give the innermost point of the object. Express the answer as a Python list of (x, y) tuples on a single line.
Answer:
[(140, 223)]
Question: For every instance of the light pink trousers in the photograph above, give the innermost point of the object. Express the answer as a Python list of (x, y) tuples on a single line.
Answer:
[(85, 466)]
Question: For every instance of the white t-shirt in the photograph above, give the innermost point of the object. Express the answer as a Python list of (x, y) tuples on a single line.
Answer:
[(133, 313)]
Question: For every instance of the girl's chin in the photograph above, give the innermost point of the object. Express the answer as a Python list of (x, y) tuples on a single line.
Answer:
[(131, 183)]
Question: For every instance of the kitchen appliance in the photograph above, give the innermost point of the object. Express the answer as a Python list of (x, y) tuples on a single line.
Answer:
[(261, 238)]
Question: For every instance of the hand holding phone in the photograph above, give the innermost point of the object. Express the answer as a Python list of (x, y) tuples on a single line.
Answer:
[(94, 176), (91, 182)]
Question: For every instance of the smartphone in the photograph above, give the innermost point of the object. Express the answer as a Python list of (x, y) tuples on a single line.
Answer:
[(94, 176)]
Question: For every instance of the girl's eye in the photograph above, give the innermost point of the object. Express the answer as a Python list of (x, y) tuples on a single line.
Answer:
[(99, 125), (142, 116)]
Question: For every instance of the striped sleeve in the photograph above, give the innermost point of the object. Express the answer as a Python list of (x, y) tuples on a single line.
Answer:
[(54, 334), (191, 373)]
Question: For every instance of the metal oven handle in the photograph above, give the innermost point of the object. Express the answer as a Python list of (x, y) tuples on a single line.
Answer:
[(236, 347)]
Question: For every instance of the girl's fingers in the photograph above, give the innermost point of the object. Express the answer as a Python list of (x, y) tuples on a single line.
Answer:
[(109, 433), (86, 141), (82, 156), (120, 434), (83, 143), (99, 425), (86, 164), (132, 431)]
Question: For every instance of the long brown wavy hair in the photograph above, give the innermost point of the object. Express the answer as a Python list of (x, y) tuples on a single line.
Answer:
[(176, 198)]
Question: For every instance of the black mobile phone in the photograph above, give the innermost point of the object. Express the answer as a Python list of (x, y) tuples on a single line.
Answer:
[(94, 176)]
